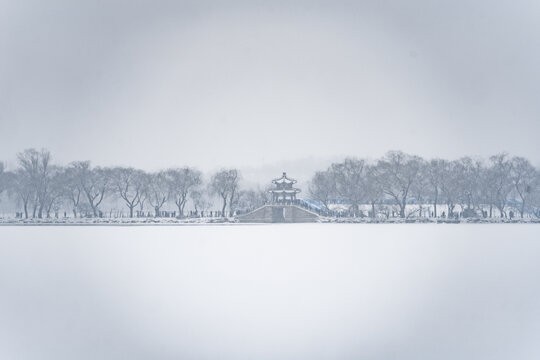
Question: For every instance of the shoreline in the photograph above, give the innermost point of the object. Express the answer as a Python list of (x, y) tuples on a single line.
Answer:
[(231, 222)]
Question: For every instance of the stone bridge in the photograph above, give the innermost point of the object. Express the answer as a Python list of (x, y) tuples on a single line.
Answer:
[(279, 214)]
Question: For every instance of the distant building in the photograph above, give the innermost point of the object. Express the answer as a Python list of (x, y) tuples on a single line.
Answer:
[(284, 193), (284, 208)]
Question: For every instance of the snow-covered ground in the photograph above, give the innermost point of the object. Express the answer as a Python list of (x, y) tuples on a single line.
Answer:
[(115, 221), (216, 220), (297, 291)]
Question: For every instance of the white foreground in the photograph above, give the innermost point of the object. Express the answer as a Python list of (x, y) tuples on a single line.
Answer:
[(317, 291)]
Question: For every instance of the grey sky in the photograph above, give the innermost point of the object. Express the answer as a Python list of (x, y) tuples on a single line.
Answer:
[(160, 83)]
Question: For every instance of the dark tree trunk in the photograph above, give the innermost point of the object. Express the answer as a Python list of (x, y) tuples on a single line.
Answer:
[(435, 203), (224, 206), (181, 209), (94, 208), (231, 202)]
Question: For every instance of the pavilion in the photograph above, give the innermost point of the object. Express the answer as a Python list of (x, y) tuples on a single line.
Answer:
[(284, 207), (284, 193)]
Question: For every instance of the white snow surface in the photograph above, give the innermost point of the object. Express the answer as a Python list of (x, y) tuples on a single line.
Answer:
[(282, 291)]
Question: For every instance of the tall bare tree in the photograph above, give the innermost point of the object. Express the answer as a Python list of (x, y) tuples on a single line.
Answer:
[(200, 201), (129, 184), (500, 176), (420, 188), (234, 177), (181, 183), (397, 173), (2, 178), (451, 185), (350, 179), (21, 185), (374, 192), (322, 187), (249, 200), (225, 184), (158, 191), (95, 183), (524, 178), (72, 188), (471, 173), (535, 197), (55, 191), (435, 174), (36, 164)]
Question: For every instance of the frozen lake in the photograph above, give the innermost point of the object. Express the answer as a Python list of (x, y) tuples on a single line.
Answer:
[(317, 291)]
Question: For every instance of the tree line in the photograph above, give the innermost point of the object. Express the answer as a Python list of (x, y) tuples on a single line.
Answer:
[(42, 188), (389, 185), (474, 186)]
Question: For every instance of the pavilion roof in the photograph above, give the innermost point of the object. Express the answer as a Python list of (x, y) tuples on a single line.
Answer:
[(284, 180)]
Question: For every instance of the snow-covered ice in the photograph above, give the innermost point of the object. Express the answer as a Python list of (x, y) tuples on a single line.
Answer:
[(297, 291)]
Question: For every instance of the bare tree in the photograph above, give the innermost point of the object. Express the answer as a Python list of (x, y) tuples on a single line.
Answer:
[(2, 178), (72, 188), (249, 200), (28, 175), (450, 185), (524, 178), (397, 173), (420, 188), (535, 197), (144, 197), (234, 178), (21, 185), (95, 183), (470, 182), (158, 191), (200, 201), (322, 187), (36, 165), (349, 178), (181, 182), (486, 194), (130, 184), (435, 173), (500, 176), (374, 193), (55, 190), (225, 184)]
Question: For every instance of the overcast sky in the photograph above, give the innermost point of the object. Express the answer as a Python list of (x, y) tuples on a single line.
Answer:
[(232, 83)]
